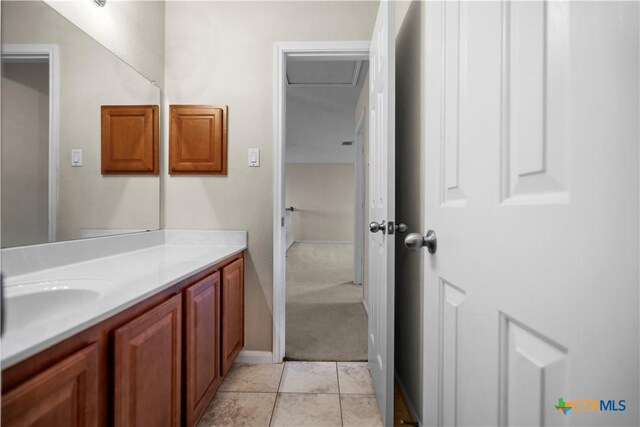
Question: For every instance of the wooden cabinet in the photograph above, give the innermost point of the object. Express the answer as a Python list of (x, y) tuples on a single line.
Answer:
[(130, 139), (198, 139), (147, 368), (202, 345), (158, 363), (232, 313), (66, 394)]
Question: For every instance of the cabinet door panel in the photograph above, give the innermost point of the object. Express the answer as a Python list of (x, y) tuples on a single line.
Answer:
[(64, 395), (202, 334), (232, 313), (147, 368), (130, 139), (197, 139)]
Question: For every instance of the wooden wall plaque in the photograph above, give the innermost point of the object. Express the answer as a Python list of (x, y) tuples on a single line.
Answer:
[(130, 139), (198, 140)]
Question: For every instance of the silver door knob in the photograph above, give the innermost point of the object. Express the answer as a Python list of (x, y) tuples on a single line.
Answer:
[(374, 227), (401, 228), (415, 241)]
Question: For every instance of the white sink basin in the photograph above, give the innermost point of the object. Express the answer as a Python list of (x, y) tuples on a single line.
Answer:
[(29, 304)]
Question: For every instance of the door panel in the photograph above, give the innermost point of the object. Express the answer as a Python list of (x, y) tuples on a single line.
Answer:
[(202, 335), (64, 395), (452, 179), (232, 313), (147, 358), (450, 305), (531, 366), (382, 207), (535, 40), (532, 188)]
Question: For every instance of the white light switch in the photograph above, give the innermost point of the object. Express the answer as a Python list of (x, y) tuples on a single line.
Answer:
[(254, 157), (76, 157)]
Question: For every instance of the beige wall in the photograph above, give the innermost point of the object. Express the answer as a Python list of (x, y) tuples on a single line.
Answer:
[(323, 198), (362, 108), (223, 53), (90, 76), (409, 196), (133, 30), (25, 160)]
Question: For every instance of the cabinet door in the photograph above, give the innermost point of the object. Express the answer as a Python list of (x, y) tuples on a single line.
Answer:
[(198, 139), (147, 368), (232, 313), (202, 336), (130, 139), (66, 394)]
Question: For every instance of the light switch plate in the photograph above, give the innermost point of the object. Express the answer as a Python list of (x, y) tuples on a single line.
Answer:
[(254, 157), (76, 157)]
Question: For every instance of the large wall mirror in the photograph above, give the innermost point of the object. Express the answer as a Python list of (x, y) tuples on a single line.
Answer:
[(55, 78)]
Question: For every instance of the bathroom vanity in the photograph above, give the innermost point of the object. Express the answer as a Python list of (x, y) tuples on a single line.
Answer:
[(150, 350)]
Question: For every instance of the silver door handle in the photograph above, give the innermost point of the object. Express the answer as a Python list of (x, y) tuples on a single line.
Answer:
[(401, 228), (415, 241), (374, 227)]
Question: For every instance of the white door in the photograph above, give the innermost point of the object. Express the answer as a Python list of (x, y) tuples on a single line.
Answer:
[(382, 207), (532, 189), (359, 208)]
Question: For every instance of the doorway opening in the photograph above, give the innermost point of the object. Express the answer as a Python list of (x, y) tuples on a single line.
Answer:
[(30, 88), (325, 317), (320, 191)]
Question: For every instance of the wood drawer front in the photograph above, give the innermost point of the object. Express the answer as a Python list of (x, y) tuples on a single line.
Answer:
[(202, 337), (147, 368), (232, 313), (198, 139), (65, 394)]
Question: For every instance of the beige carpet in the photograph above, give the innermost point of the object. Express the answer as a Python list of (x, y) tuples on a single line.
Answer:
[(325, 318)]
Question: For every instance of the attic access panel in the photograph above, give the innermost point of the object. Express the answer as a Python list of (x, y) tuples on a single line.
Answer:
[(323, 73)]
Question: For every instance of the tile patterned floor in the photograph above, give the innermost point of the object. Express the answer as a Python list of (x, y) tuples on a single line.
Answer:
[(300, 394)]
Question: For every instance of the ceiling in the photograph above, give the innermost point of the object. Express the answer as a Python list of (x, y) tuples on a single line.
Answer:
[(321, 101)]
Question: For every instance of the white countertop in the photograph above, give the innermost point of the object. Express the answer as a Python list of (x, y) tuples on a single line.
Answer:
[(124, 280)]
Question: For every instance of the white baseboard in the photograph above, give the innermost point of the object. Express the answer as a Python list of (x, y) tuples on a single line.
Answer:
[(324, 241), (403, 390), (252, 356), (366, 307)]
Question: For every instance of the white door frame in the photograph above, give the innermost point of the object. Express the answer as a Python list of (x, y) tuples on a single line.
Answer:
[(283, 50), (50, 53), (358, 200)]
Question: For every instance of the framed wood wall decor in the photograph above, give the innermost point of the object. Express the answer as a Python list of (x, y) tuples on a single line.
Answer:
[(198, 140), (129, 139)]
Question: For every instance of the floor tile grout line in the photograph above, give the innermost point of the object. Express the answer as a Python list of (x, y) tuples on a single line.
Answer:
[(339, 395), (292, 392), (273, 409), (300, 392), (305, 392)]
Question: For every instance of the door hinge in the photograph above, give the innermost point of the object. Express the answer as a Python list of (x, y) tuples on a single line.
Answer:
[(282, 222)]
